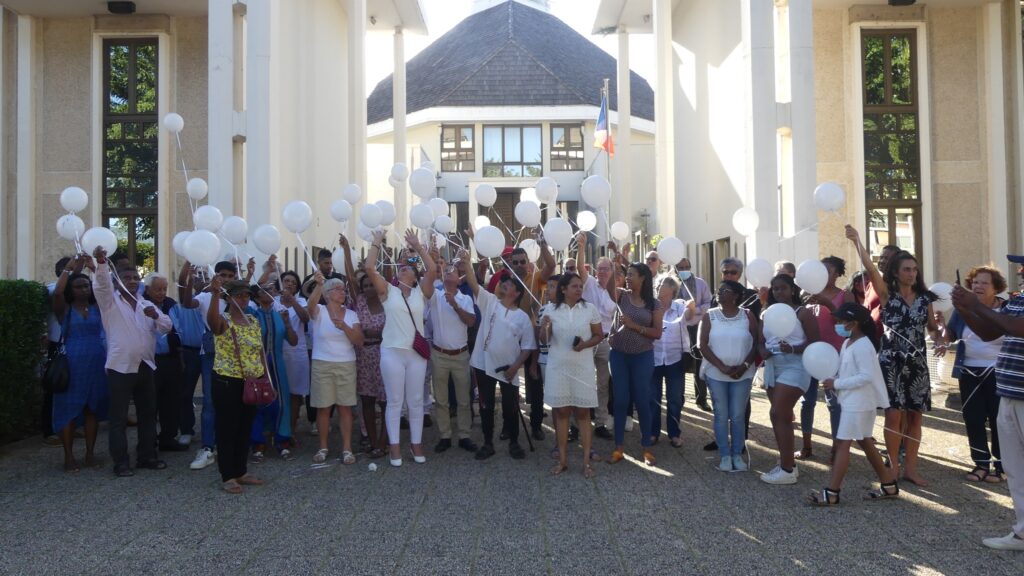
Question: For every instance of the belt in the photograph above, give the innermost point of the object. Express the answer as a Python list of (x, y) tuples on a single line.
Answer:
[(372, 342), (450, 352)]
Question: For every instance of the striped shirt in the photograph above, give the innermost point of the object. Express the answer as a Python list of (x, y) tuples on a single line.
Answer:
[(1010, 365)]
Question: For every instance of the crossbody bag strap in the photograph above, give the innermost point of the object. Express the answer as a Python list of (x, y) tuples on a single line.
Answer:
[(411, 317), (238, 352)]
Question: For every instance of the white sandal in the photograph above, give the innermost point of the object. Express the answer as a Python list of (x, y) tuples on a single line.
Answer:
[(320, 457), (347, 457)]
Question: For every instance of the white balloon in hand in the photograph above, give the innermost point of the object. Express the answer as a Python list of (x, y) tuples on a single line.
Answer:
[(197, 189), (234, 229), (74, 199), (486, 195), (812, 276), (779, 320), (759, 272), (489, 241), (596, 190), (178, 242), (174, 123), (387, 212), (546, 190), (944, 303), (745, 221), (202, 248), (399, 172), (267, 239), (99, 236), (370, 216), (532, 249), (671, 250), (297, 216), (586, 220), (421, 216), (208, 218), (829, 196), (480, 222), (558, 233), (620, 231), (443, 224), (352, 193), (70, 227), (528, 213), (821, 360), (422, 183), (438, 206), (341, 210)]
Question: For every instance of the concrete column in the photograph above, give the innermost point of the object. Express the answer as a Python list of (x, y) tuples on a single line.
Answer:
[(258, 90), (995, 124), (166, 225), (28, 61), (622, 207), (5, 245), (221, 94), (1017, 121), (357, 91), (398, 114), (802, 110), (664, 137), (761, 178)]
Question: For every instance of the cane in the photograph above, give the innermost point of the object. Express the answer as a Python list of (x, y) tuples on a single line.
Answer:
[(522, 419)]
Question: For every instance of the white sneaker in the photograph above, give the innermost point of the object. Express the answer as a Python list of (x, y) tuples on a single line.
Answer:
[(204, 457), (726, 464), (739, 464), (780, 476), (629, 424), (1008, 542), (185, 439)]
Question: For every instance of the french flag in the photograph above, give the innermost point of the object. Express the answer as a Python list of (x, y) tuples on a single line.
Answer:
[(603, 132)]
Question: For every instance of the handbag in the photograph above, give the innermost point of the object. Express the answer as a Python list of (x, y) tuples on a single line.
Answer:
[(256, 390), (419, 343), (57, 375)]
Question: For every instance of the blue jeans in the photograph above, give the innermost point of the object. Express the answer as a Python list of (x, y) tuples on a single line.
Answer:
[(631, 380), (810, 400), (206, 359), (730, 403), (672, 374), (193, 368)]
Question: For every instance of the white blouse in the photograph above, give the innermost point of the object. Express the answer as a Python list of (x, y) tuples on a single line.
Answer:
[(400, 327), (731, 342), (675, 338), (502, 337)]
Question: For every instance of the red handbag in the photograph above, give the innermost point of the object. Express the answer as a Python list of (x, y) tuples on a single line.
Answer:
[(256, 390), (419, 343)]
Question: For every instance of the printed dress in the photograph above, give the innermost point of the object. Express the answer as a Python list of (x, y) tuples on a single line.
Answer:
[(903, 354), (368, 378), (571, 378), (85, 344)]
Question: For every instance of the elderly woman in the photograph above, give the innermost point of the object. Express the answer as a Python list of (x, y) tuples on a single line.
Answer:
[(402, 367), (273, 418), (669, 366), (88, 394), (975, 369), (239, 354)]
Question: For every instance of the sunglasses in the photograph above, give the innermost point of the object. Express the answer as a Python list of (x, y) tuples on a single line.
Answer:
[(652, 258), (518, 262), (730, 272)]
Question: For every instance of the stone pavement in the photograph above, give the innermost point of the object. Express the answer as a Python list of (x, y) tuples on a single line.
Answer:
[(455, 515)]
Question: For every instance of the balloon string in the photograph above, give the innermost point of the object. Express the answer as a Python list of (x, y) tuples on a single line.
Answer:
[(505, 226), (306, 250), (181, 155), (525, 287)]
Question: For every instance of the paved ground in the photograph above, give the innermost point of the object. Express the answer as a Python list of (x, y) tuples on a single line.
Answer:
[(454, 515)]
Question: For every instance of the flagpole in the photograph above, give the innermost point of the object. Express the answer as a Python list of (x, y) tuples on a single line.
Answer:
[(608, 170)]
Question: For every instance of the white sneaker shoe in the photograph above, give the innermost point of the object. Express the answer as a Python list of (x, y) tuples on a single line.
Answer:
[(629, 424), (739, 464), (204, 457), (780, 476), (726, 464), (1008, 542), (185, 439)]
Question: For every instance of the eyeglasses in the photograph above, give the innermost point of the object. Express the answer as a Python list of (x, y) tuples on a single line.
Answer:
[(652, 258), (570, 268), (730, 272)]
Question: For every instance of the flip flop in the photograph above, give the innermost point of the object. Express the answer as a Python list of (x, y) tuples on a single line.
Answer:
[(232, 487)]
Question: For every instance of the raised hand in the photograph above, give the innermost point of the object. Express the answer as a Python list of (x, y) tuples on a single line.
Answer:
[(343, 241), (318, 277)]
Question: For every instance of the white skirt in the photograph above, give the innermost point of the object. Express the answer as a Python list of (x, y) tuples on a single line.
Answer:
[(854, 425)]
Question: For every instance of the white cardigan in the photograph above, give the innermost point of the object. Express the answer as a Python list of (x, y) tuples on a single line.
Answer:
[(860, 385)]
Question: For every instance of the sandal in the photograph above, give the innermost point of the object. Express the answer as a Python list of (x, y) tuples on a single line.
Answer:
[(376, 453), (979, 474), (595, 456), (825, 497), (232, 487), (558, 469), (347, 457), (886, 491), (995, 477), (649, 458), (249, 480), (617, 456), (588, 472), (320, 457)]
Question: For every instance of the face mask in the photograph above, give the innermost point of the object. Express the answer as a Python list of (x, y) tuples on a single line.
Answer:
[(685, 274), (842, 330)]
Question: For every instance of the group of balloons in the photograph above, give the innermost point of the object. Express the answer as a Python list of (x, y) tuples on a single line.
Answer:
[(828, 197)]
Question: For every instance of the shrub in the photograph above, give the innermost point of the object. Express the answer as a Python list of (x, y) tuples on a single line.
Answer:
[(23, 307)]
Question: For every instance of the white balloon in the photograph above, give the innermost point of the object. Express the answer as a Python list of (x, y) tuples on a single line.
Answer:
[(197, 188), (202, 248), (745, 221), (399, 172), (759, 272), (821, 360), (945, 293), (438, 206), (422, 183), (267, 239), (443, 224), (489, 241), (99, 236), (532, 249), (297, 216), (70, 227), (364, 231), (338, 258), (421, 216), (620, 231), (528, 194), (486, 195), (74, 199), (352, 193), (596, 190), (671, 250), (440, 239), (228, 252), (481, 221), (779, 320), (234, 229), (387, 212), (208, 218), (341, 210), (558, 233), (811, 276), (394, 183), (370, 215), (829, 196), (528, 214), (428, 166), (586, 220), (546, 189), (178, 242), (174, 123)]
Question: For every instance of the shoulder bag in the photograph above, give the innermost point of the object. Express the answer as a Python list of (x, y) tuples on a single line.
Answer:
[(419, 343), (57, 376), (256, 390)]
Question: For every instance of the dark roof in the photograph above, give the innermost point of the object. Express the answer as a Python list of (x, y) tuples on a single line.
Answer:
[(510, 55)]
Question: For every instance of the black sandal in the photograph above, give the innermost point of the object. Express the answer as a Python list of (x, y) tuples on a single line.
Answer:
[(825, 497), (883, 492), (978, 474), (995, 477)]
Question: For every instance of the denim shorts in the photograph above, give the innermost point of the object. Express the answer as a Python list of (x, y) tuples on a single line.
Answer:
[(786, 369)]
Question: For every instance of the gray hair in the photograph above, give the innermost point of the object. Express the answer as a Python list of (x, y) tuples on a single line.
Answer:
[(152, 277), (733, 261)]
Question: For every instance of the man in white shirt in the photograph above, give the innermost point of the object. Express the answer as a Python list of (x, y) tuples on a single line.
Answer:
[(693, 288), (595, 292), (450, 315)]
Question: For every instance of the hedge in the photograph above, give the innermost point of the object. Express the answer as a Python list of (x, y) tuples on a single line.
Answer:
[(23, 307)]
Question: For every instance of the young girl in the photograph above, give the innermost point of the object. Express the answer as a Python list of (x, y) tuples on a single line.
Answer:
[(860, 388)]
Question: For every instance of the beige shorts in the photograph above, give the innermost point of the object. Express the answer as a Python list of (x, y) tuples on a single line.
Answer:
[(332, 383)]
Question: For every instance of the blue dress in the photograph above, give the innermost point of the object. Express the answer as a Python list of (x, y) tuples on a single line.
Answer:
[(85, 343), (276, 417)]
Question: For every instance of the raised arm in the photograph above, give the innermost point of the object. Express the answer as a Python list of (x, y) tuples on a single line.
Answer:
[(466, 268), (546, 257), (313, 304), (185, 286), (57, 302), (102, 285), (865, 259), (370, 267), (350, 268), (213, 318), (429, 267), (581, 256)]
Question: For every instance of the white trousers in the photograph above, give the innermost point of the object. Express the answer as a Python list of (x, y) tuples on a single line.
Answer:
[(1011, 450), (403, 372)]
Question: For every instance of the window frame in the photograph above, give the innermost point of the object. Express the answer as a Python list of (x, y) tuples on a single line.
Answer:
[(564, 163), (521, 163), (463, 164)]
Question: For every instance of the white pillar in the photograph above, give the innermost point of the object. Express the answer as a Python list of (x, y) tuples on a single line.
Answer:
[(802, 109), (258, 89), (220, 111), (622, 207), (995, 124), (357, 91), (26, 246), (166, 224), (398, 114), (761, 178), (6, 226), (664, 137), (1017, 243)]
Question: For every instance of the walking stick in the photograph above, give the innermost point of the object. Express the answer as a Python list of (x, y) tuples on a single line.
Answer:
[(522, 419)]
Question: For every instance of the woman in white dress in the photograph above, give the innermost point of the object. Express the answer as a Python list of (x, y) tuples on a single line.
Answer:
[(571, 328)]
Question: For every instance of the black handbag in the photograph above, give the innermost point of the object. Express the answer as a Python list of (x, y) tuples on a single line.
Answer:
[(57, 376)]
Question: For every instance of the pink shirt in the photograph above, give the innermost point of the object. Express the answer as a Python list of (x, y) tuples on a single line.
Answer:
[(827, 324), (131, 335)]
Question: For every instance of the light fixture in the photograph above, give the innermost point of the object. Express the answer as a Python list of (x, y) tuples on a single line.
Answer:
[(121, 7)]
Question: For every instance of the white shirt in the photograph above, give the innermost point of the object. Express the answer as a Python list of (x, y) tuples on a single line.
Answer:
[(131, 335), (295, 321), (449, 332), (598, 296), (977, 352), (503, 335), (399, 328), (730, 340), (860, 385), (203, 299), (330, 343), (675, 338)]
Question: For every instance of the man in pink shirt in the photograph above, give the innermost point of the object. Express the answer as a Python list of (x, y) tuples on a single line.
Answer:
[(132, 326)]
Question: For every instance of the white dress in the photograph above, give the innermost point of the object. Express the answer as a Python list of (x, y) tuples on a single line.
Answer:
[(571, 376)]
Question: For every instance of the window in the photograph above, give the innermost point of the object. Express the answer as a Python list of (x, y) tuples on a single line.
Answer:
[(566, 147), (892, 146), (130, 131), (457, 149), (512, 151)]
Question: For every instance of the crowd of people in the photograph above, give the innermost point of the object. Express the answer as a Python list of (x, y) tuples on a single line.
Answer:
[(406, 332)]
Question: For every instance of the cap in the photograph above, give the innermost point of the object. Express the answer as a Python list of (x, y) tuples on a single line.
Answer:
[(332, 283), (1015, 259), (236, 287), (507, 251)]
